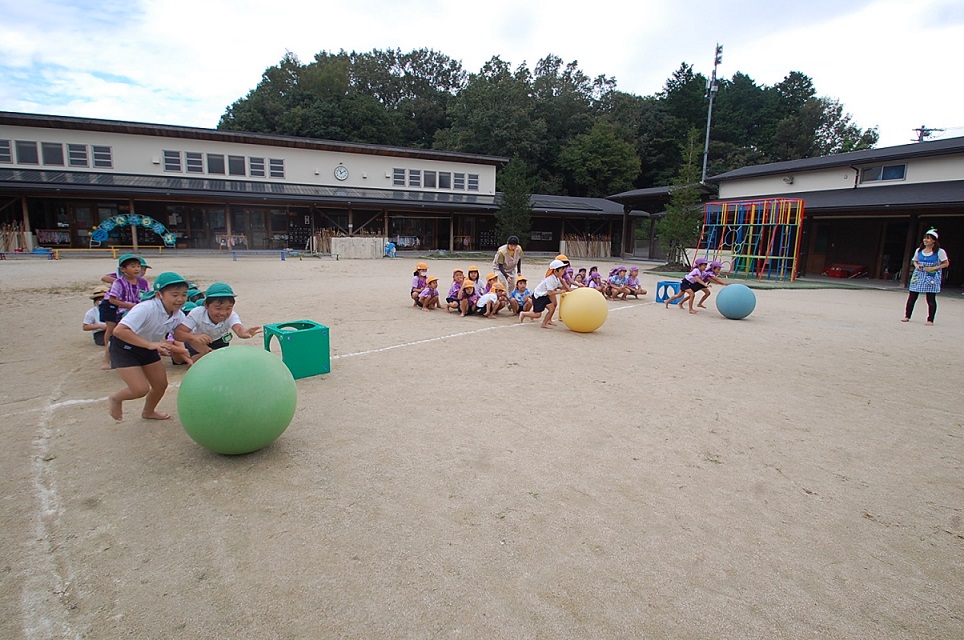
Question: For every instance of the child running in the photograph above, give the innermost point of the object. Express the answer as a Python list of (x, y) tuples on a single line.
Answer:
[(689, 285), (125, 292), (544, 297), (138, 342), (214, 322), (711, 274)]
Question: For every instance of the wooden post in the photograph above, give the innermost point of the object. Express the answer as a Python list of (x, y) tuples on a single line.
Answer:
[(351, 222), (130, 212), (25, 233), (910, 246)]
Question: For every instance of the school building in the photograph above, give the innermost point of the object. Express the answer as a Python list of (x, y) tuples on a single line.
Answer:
[(63, 180), (865, 212)]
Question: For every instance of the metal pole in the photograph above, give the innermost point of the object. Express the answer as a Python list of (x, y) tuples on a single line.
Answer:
[(711, 89)]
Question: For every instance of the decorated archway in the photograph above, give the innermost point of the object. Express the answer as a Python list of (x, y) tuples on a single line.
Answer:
[(102, 231)]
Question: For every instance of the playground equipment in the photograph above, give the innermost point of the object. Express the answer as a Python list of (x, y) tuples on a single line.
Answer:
[(761, 238)]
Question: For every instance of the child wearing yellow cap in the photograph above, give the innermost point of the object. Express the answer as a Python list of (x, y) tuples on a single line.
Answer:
[(428, 298), (418, 282)]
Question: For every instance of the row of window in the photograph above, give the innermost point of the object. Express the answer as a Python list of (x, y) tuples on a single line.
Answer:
[(425, 179), (52, 154), (194, 161), (56, 154)]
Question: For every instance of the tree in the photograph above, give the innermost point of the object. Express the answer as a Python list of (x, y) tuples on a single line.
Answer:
[(599, 163), (680, 227), (513, 217)]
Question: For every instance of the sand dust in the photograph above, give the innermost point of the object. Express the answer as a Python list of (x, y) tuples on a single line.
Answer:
[(794, 475)]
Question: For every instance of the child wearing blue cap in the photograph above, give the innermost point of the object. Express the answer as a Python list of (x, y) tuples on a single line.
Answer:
[(213, 323), (139, 340)]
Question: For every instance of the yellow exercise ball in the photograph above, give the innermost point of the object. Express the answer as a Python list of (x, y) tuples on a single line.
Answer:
[(583, 310)]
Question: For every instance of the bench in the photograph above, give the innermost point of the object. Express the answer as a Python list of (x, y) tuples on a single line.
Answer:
[(95, 251), (47, 255), (249, 252), (139, 248)]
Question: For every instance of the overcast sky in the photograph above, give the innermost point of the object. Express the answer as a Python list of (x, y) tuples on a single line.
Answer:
[(892, 63)]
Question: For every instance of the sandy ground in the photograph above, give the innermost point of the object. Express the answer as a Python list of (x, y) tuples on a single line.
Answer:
[(794, 475)]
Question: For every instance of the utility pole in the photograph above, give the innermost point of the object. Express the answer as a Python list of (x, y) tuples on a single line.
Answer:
[(711, 88), (923, 133)]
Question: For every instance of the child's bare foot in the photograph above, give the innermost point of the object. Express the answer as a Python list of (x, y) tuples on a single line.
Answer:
[(905, 320), (546, 326), (115, 408), (666, 303), (694, 311), (643, 292), (928, 324), (701, 306), (156, 415), (461, 315), (105, 366)]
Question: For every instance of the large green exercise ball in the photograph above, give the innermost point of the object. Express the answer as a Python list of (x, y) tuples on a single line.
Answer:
[(583, 310), (237, 400), (735, 301)]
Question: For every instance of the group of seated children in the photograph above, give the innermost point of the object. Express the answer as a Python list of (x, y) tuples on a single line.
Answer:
[(468, 295), (138, 330), (699, 279)]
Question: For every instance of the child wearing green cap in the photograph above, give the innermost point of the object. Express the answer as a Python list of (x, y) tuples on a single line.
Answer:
[(139, 340), (215, 321), (125, 292)]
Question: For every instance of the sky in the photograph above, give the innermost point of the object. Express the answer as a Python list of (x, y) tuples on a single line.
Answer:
[(889, 62)]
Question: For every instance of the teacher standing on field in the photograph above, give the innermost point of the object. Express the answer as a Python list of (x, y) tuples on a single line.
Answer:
[(508, 262)]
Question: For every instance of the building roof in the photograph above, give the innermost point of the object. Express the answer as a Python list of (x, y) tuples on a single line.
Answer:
[(871, 200), (656, 196), (119, 185), (196, 133), (946, 146)]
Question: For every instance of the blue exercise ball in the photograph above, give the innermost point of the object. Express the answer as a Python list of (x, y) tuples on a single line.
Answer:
[(237, 400), (736, 301)]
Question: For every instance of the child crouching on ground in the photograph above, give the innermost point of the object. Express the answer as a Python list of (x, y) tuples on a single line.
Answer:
[(452, 297), (92, 320), (521, 298), (214, 322), (492, 302), (545, 295), (632, 282), (428, 298), (138, 342), (467, 298), (418, 282)]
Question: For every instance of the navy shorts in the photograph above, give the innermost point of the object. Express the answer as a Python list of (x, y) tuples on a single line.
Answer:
[(123, 355), (220, 343), (686, 285), (108, 311), (539, 304), (99, 338)]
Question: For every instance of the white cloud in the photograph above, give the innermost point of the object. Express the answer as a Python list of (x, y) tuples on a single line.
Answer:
[(182, 62)]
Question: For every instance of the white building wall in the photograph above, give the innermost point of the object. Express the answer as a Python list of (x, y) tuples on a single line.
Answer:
[(143, 155), (919, 170)]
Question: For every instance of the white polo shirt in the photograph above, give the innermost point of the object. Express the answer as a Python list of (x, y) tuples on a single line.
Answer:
[(199, 322), (150, 320), (549, 283)]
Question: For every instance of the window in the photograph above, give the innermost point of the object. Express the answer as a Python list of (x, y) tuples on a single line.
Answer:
[(398, 177), (236, 165), (102, 156), (215, 163), (77, 155), (53, 153), (27, 152), (172, 160), (444, 180), (5, 154), (430, 179), (414, 177), (882, 173), (473, 182), (458, 181), (193, 162), (276, 167), (256, 167)]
